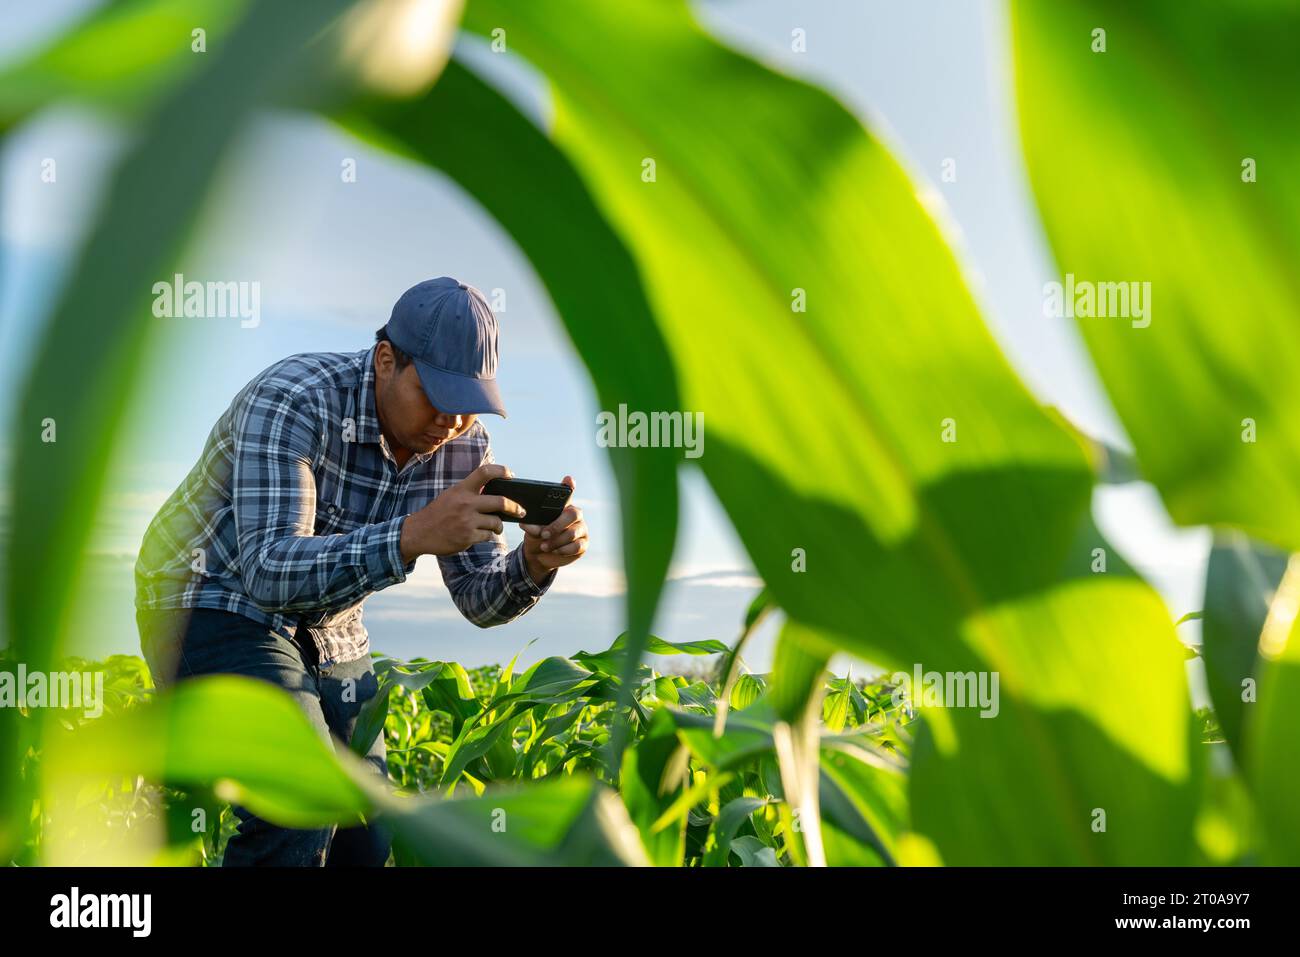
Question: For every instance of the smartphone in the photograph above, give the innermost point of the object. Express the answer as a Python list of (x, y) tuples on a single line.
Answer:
[(543, 501)]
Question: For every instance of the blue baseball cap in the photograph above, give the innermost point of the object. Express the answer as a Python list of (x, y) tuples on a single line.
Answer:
[(449, 331)]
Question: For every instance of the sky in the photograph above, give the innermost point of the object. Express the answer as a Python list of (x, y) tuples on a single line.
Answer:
[(929, 76)]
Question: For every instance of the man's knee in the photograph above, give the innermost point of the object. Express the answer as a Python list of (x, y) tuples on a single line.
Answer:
[(360, 846), (259, 843)]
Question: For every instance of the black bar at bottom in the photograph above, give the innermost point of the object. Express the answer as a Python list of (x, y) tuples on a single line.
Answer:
[(1034, 904)]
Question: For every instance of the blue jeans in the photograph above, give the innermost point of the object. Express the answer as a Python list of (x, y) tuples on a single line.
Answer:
[(183, 643)]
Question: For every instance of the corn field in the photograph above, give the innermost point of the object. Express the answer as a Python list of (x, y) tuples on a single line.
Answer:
[(945, 512)]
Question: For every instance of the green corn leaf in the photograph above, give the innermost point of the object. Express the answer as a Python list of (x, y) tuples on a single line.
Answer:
[(266, 755), (730, 669), (612, 660), (748, 735), (508, 672), (1272, 727), (935, 510), (747, 690), (666, 690), (699, 695), (753, 852), (151, 205), (835, 709), (863, 800), (798, 670), (731, 817), (150, 44), (568, 821), (758, 608), (416, 677), (550, 681), (1240, 582), (474, 742), (552, 727), (1140, 157), (370, 720), (450, 691), (652, 777)]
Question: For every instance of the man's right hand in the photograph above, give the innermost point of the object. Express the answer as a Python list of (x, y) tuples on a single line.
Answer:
[(459, 517)]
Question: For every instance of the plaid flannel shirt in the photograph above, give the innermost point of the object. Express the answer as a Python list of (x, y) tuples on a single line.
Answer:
[(293, 513)]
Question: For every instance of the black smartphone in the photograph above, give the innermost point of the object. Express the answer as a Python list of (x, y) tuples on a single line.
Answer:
[(543, 501)]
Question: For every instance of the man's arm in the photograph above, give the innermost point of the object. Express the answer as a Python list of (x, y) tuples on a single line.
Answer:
[(284, 566), (490, 584)]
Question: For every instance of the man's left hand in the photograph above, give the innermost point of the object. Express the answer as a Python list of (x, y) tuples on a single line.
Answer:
[(563, 542)]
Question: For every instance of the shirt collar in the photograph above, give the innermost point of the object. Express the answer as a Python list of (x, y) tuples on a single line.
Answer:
[(367, 418)]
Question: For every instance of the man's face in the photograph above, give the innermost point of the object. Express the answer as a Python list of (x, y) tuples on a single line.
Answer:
[(405, 415)]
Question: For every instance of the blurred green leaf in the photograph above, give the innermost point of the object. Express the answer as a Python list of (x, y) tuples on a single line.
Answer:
[(1111, 464), (246, 733), (1272, 728), (798, 670), (758, 607), (730, 670), (666, 690), (151, 205), (1136, 155), (897, 543), (570, 821), (1240, 581), (122, 56), (767, 195)]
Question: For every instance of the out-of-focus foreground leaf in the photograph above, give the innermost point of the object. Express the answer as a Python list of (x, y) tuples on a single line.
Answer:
[(798, 671), (1251, 669), (1240, 581), (1272, 732), (118, 58), (653, 774), (1139, 157), (99, 327), (243, 732), (744, 195), (572, 820)]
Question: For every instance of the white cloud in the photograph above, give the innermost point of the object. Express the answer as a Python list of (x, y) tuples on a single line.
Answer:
[(421, 614), (714, 576)]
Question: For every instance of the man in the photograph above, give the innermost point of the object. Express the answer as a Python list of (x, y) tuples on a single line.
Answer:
[(324, 481)]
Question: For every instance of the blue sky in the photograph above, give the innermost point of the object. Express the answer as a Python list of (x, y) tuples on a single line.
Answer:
[(931, 77)]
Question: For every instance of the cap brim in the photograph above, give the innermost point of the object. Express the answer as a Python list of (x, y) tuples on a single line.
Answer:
[(459, 394)]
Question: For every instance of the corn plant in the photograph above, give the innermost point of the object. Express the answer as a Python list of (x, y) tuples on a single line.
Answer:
[(700, 793)]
